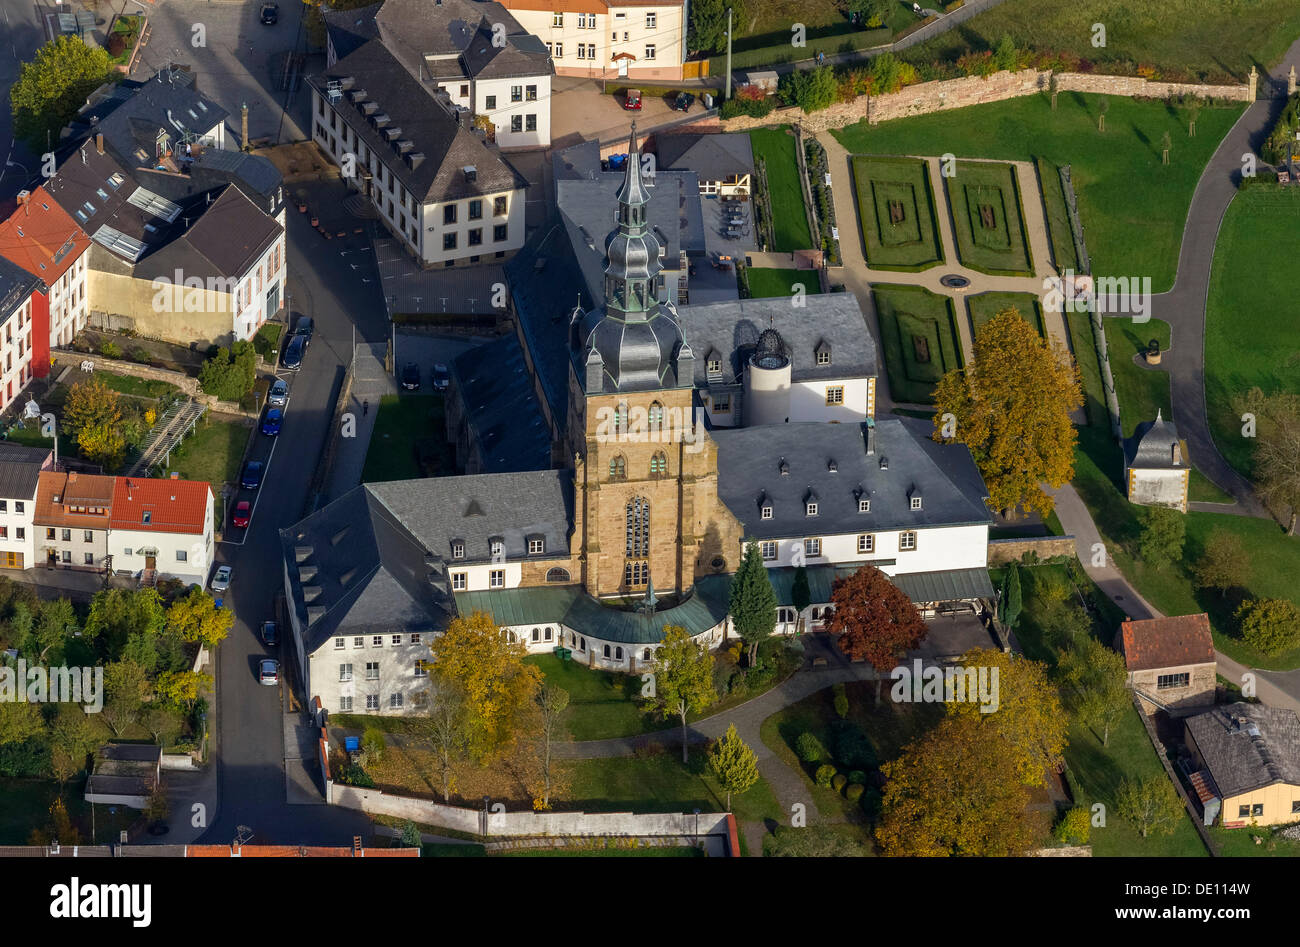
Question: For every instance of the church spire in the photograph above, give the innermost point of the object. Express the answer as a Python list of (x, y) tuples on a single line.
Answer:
[(632, 268), (633, 192)]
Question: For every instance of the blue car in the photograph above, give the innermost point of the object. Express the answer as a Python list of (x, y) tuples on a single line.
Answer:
[(252, 478), (271, 425)]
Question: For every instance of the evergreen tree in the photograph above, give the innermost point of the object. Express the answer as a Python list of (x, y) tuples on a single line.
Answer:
[(1011, 598), (753, 601)]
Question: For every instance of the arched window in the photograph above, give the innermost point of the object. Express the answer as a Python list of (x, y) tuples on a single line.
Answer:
[(655, 416), (557, 575), (618, 467), (659, 464), (618, 654), (606, 650), (537, 634), (645, 656), (548, 633), (636, 572), (582, 644)]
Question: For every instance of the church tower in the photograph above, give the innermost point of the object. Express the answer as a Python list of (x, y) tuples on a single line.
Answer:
[(648, 481)]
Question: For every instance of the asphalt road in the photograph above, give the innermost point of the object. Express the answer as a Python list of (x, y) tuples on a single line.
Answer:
[(21, 34)]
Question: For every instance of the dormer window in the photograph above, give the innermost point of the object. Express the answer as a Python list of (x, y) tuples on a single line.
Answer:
[(864, 505), (496, 547), (916, 503), (146, 517), (714, 366), (784, 468), (458, 549), (823, 353), (810, 508), (831, 466), (536, 545), (766, 512)]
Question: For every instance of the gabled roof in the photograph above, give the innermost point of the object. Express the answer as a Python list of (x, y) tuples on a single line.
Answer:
[(1152, 446), (16, 287), (1167, 642), (228, 237), (41, 237), (1248, 746), (58, 491), (20, 469), (173, 506), (712, 157)]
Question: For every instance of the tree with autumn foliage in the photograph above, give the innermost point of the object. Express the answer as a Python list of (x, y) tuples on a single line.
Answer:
[(874, 621), (197, 618), (1012, 407), (479, 660), (683, 677), (93, 415), (955, 791)]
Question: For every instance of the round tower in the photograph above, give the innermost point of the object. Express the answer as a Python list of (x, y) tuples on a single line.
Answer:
[(767, 382)]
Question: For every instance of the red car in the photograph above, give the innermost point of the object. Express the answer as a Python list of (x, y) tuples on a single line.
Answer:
[(243, 510), (632, 100)]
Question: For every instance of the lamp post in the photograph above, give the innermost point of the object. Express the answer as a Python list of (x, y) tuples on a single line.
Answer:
[(486, 800), (697, 828)]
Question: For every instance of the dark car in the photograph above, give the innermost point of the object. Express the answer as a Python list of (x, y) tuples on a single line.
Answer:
[(632, 100), (683, 101), (293, 352), (270, 14), (252, 478), (271, 424), (270, 633), (306, 326), (411, 376), (441, 377), (243, 512)]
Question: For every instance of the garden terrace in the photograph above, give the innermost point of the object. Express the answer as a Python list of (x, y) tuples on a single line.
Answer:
[(988, 222), (920, 339), (896, 209)]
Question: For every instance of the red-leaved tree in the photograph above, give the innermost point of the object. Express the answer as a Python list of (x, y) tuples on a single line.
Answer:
[(874, 620)]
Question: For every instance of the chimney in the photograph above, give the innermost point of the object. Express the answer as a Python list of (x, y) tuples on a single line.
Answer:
[(243, 126), (99, 143), (871, 436)]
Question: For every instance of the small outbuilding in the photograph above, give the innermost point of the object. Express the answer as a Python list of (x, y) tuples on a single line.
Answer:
[(1156, 469), (1171, 664), (1246, 762), (125, 774)]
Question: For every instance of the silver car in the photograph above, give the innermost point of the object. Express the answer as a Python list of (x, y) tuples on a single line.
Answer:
[(221, 580), (278, 396), (268, 671)]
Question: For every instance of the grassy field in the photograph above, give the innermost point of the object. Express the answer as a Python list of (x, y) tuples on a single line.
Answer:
[(409, 440), (988, 222), (211, 453), (1240, 843), (764, 32), (770, 282), (775, 147), (27, 806), (920, 339), (984, 306), (1141, 391), (1247, 342), (1210, 39), (1133, 207), (1059, 231), (139, 387), (909, 240)]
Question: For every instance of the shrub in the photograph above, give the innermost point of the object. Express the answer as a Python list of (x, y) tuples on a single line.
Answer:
[(753, 107), (839, 781), (738, 684), (1269, 625), (810, 749), (1073, 828), (870, 801), (841, 701), (825, 773), (853, 791), (373, 743), (229, 373), (140, 356), (110, 349), (852, 747), (857, 776)]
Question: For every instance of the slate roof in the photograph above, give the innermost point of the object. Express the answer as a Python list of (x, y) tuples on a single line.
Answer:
[(712, 157), (174, 506), (1152, 444), (501, 408), (1167, 642), (434, 132), (1248, 746), (729, 331), (20, 469), (227, 238), (16, 287), (168, 101), (749, 460), (349, 30), (523, 55)]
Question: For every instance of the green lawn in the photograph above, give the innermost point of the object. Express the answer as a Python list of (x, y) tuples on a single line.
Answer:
[(763, 37), (1084, 345), (775, 147), (1248, 341), (772, 282), (140, 387), (1141, 391), (896, 213), (920, 339), (1240, 843), (1059, 231), (1195, 38), (1133, 207), (409, 440), (988, 219), (211, 453), (985, 306), (1096, 771)]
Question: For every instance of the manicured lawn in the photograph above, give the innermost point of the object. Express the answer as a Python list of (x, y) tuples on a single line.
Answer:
[(1058, 217), (211, 453), (1133, 207), (1141, 391), (1096, 771), (1249, 342), (1193, 38), (764, 282), (896, 213), (988, 222), (1083, 343), (985, 306), (267, 340), (409, 440), (775, 147), (920, 339), (1202, 490), (1240, 843), (140, 387)]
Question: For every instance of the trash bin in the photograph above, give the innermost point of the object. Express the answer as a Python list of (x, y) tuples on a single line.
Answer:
[(564, 654)]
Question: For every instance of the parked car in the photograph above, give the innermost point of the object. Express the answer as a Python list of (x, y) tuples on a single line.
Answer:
[(268, 671), (270, 14), (632, 100), (221, 579), (243, 512), (271, 424), (293, 352), (306, 326), (252, 478), (683, 101), (270, 634), (411, 376), (278, 396), (441, 377)]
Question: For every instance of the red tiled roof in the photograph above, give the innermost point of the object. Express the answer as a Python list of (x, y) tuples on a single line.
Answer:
[(298, 851), (1167, 642), (46, 229), (57, 491), (174, 506)]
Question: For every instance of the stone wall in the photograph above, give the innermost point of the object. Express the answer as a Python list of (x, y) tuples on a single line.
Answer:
[(1065, 851), (188, 386), (941, 94), (1002, 551)]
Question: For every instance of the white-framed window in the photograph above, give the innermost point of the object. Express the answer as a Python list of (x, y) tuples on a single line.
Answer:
[(867, 543), (591, 47), (358, 642), (812, 547), (650, 20), (497, 579), (864, 505), (345, 672), (907, 540), (459, 581), (916, 503), (823, 356), (376, 641), (345, 703), (415, 638), (394, 639), (649, 50), (582, 51), (372, 702), (339, 643), (766, 513), (372, 670), (768, 548), (181, 555), (394, 701), (497, 547), (559, 51), (557, 19), (421, 670), (810, 509), (536, 546), (458, 550)]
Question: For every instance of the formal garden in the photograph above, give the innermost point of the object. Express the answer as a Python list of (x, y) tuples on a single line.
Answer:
[(897, 213), (984, 306), (920, 339), (1057, 214), (778, 167), (988, 218)]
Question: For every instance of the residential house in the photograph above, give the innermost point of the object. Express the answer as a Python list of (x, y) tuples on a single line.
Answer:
[(20, 469), (19, 295), (439, 189), (45, 240), (162, 528), (72, 520), (1156, 469), (724, 163), (1171, 663), (1246, 761), (608, 39)]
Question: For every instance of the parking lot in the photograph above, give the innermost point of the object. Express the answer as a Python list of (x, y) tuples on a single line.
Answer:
[(580, 111)]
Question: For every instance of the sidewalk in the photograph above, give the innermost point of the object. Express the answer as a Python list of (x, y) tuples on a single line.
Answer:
[(369, 384)]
